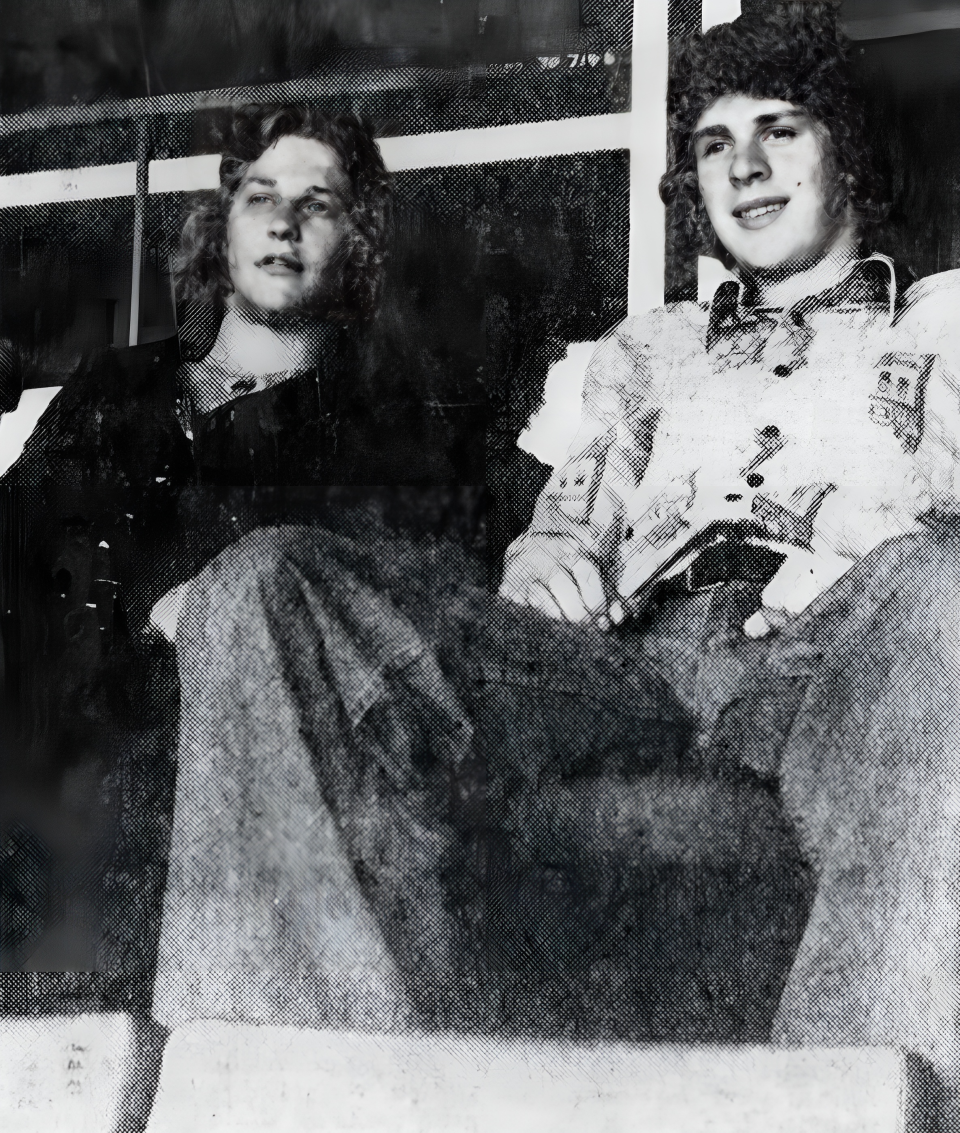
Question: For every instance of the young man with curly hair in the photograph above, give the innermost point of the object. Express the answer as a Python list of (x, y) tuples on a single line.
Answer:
[(152, 459), (795, 444)]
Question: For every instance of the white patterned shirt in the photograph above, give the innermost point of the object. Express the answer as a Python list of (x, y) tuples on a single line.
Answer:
[(833, 425)]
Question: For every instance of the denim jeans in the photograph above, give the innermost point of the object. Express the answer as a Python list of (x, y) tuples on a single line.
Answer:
[(403, 801)]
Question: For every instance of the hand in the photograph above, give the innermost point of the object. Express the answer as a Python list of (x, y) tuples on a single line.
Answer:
[(165, 613), (553, 574), (806, 574)]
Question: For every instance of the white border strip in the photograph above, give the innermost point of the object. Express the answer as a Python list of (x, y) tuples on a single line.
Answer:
[(648, 154)]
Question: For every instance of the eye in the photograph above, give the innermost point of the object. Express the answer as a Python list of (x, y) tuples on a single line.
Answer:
[(780, 134), (316, 208), (259, 199), (714, 147)]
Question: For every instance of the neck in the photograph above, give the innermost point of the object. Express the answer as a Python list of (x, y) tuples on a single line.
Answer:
[(785, 285), (256, 347)]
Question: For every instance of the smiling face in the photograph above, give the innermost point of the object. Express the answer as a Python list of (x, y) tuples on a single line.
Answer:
[(760, 169), (286, 223)]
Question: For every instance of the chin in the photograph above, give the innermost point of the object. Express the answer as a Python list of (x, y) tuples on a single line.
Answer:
[(768, 263), (759, 259), (274, 304)]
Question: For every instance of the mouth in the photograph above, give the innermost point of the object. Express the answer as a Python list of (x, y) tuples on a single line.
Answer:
[(760, 212), (280, 263)]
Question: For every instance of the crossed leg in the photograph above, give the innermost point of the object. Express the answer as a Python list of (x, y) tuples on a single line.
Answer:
[(870, 776)]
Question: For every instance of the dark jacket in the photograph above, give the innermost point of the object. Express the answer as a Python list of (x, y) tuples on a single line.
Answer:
[(110, 506)]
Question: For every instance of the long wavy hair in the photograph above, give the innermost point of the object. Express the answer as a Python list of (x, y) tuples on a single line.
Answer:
[(794, 52), (203, 277)]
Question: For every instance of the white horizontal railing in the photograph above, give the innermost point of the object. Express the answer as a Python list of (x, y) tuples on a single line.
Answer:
[(53, 186), (521, 141)]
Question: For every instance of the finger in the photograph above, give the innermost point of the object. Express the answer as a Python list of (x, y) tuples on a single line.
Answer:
[(540, 598), (515, 590), (587, 578), (637, 568), (565, 592)]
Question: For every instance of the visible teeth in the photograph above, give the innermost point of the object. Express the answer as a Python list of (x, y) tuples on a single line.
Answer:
[(754, 213)]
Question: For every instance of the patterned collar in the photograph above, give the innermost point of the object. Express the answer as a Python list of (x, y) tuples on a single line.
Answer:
[(741, 333)]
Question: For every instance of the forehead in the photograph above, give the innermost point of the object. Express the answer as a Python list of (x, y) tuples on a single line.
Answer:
[(740, 111), (296, 164)]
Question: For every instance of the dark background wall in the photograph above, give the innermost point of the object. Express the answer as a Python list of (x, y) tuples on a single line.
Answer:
[(912, 86), (60, 51)]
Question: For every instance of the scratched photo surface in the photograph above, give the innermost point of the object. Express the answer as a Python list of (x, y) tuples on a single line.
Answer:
[(453, 582)]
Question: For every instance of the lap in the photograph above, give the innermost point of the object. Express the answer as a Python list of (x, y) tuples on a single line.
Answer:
[(600, 875)]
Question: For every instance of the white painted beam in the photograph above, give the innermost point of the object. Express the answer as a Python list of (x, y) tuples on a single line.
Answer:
[(517, 142), (647, 142), (52, 186), (718, 12)]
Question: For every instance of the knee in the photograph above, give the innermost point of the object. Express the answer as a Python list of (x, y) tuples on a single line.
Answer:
[(914, 578), (923, 575), (228, 588)]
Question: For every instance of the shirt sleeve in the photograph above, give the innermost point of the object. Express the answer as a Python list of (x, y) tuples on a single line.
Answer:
[(583, 501), (930, 324)]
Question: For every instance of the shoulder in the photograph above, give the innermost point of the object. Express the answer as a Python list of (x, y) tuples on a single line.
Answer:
[(641, 344), (112, 401), (657, 330), (113, 375), (929, 307)]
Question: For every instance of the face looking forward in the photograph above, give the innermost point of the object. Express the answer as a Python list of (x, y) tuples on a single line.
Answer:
[(761, 173), (285, 224)]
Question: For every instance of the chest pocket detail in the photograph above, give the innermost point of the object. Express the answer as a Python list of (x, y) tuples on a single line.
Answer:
[(898, 400), (572, 489)]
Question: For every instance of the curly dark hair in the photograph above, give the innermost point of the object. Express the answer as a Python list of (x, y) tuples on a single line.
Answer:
[(794, 52), (202, 273)]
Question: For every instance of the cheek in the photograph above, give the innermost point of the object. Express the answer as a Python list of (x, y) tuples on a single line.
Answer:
[(712, 194), (810, 196), (807, 176), (236, 243), (324, 241)]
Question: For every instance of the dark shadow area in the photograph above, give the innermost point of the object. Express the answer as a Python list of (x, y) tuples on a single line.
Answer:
[(65, 51)]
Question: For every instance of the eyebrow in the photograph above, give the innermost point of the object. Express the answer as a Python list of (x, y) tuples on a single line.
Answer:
[(271, 184), (720, 131)]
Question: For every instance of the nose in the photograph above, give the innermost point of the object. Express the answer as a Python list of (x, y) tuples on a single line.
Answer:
[(284, 223), (748, 164)]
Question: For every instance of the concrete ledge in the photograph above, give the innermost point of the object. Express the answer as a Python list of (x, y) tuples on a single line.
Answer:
[(59, 1074)]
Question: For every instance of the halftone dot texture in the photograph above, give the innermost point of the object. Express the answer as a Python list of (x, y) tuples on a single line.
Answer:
[(24, 888), (400, 801), (494, 270), (399, 805)]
